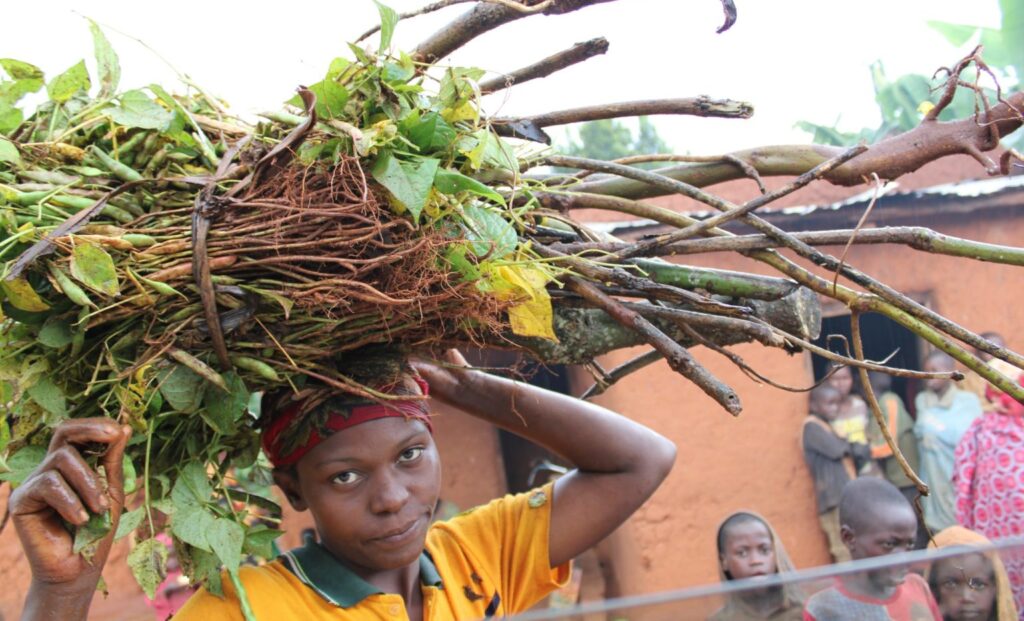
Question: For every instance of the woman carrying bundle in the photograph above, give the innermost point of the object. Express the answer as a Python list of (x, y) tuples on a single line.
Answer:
[(370, 475)]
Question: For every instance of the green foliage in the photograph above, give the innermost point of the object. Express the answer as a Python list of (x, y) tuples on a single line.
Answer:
[(148, 562), (63, 87), (84, 326), (107, 63)]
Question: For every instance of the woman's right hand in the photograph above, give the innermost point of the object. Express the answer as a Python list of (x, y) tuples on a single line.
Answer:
[(65, 489)]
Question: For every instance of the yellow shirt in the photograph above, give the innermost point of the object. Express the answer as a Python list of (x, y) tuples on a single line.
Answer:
[(490, 561)]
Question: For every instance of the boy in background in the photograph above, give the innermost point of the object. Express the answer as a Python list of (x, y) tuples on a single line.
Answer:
[(901, 428), (876, 521), (830, 460)]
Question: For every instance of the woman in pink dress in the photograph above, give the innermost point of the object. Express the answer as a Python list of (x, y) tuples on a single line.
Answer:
[(989, 475)]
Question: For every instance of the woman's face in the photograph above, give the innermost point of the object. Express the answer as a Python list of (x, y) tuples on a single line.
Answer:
[(966, 588), (371, 489), (748, 551), (842, 380)]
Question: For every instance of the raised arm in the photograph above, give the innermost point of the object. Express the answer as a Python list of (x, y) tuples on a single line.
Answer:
[(64, 487), (619, 463)]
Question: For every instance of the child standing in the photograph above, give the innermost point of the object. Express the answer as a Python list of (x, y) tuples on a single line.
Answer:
[(901, 427), (971, 587), (851, 423), (749, 548), (830, 461), (876, 521), (944, 413)]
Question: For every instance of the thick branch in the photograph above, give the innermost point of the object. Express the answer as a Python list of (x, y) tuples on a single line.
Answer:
[(917, 237), (716, 282), (587, 333), (483, 18), (889, 158), (543, 68)]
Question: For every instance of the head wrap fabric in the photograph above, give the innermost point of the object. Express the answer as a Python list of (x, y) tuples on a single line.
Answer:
[(1006, 609), (297, 428)]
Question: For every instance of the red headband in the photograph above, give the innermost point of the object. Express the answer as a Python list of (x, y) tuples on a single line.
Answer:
[(338, 420)]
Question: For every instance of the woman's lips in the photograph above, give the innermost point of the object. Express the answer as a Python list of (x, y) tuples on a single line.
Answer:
[(399, 536)]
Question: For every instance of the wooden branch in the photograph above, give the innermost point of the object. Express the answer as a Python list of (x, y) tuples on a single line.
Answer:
[(585, 333), (917, 237), (610, 378), (889, 158), (876, 410), (641, 286), (481, 19), (716, 282), (677, 357), (883, 291), (695, 106), (543, 68), (805, 278), (644, 247)]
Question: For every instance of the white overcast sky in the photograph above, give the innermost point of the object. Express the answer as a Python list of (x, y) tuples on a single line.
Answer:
[(793, 59)]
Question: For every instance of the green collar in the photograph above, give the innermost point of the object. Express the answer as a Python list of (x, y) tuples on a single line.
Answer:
[(325, 574)]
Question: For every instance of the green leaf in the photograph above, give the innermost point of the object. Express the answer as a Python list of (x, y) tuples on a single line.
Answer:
[(49, 396), (226, 537), (489, 234), (483, 148), (456, 256), (22, 296), (94, 268), (136, 109), (206, 569), (130, 520), (388, 19), (64, 86), (55, 333), (452, 182), (148, 561), (223, 409), (331, 98), (9, 152), (106, 62), (20, 70), (259, 541), (92, 531), (192, 487), (408, 182), (429, 132), (193, 525), (181, 387), (10, 118), (130, 475), (22, 463), (5, 429)]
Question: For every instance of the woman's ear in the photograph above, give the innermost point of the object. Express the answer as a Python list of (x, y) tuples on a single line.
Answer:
[(288, 481)]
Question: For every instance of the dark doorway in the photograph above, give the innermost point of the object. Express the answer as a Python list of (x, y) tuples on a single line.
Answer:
[(881, 336)]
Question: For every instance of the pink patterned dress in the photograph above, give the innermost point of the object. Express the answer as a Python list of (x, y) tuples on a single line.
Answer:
[(988, 476)]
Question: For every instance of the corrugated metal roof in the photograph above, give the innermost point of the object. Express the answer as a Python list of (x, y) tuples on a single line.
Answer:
[(965, 189)]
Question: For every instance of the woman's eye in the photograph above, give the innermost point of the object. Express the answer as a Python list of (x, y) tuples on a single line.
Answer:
[(411, 454), (345, 478)]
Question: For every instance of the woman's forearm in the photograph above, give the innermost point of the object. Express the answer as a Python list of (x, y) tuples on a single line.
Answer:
[(53, 602), (593, 438)]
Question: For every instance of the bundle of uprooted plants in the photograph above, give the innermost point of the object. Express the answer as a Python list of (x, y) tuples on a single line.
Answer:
[(166, 263)]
